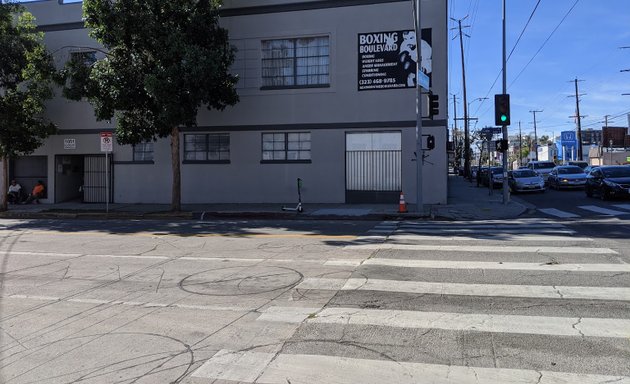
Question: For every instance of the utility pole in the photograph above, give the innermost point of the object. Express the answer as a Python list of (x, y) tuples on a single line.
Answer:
[(466, 130), (606, 120), (506, 191), (579, 119), (520, 145), (419, 150), (455, 129), (535, 134)]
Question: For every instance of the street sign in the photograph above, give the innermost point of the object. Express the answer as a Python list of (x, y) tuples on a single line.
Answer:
[(107, 142), (491, 130), (423, 80)]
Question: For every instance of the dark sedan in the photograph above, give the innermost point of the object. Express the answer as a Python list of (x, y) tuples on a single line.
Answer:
[(609, 181), (566, 176)]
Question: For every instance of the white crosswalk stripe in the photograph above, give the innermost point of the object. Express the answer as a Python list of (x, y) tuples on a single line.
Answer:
[(270, 368), (604, 211), (558, 213), (430, 278), (503, 290), (622, 206)]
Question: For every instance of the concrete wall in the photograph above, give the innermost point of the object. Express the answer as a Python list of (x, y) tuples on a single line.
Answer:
[(327, 113)]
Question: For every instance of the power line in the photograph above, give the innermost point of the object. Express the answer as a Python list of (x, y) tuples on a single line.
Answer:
[(545, 42), (512, 51)]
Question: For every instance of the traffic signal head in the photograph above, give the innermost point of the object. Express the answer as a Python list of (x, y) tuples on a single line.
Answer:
[(502, 110), (501, 145), (434, 105), (430, 142)]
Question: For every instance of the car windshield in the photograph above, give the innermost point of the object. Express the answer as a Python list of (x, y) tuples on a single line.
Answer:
[(497, 171), (524, 173), (544, 165), (570, 170), (616, 172)]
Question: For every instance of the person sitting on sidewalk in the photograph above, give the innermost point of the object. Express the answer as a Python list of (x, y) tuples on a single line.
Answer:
[(36, 194), (15, 192)]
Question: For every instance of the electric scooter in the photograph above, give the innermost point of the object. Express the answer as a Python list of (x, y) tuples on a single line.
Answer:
[(298, 208)]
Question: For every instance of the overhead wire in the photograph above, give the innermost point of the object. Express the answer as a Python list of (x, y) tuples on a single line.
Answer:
[(510, 55), (545, 42)]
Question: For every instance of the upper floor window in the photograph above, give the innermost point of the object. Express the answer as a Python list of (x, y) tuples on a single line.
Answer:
[(207, 147), (296, 63), (86, 57), (143, 151)]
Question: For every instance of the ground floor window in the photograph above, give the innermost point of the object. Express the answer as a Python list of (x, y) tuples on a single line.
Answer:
[(286, 147), (143, 151), (207, 147)]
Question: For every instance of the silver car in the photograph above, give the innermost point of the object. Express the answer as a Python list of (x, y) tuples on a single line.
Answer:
[(525, 180), (567, 176)]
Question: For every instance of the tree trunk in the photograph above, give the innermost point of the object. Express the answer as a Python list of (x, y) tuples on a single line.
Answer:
[(176, 200), (5, 184)]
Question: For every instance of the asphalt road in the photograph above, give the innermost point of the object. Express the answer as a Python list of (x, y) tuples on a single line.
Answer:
[(534, 300)]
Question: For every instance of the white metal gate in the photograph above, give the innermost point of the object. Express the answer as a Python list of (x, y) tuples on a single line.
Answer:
[(373, 167)]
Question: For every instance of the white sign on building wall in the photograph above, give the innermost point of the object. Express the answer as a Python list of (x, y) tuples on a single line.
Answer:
[(69, 143)]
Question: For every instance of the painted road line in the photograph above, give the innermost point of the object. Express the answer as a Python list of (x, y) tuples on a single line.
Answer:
[(517, 324), (483, 248), (622, 206), (270, 368), (500, 236), (491, 290), (490, 224), (487, 265), (136, 303), (520, 230), (558, 213), (604, 211)]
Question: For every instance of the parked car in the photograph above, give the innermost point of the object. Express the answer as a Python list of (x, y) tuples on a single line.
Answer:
[(493, 173), (581, 164), (525, 180), (543, 168), (588, 169), (608, 181), (566, 176)]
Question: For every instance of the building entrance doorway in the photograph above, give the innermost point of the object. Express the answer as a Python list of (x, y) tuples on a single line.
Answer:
[(373, 167), (81, 178)]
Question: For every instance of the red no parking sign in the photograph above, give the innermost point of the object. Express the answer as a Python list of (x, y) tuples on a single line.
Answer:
[(107, 143)]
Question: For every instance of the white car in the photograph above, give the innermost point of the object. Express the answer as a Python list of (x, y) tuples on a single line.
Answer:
[(543, 168)]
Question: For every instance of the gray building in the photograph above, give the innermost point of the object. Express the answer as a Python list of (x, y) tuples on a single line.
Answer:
[(342, 119)]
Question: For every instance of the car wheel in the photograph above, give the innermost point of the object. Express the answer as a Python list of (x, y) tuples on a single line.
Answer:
[(604, 194)]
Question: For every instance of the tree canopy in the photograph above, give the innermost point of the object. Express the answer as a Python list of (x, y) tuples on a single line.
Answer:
[(164, 60), (27, 74), (26, 78)]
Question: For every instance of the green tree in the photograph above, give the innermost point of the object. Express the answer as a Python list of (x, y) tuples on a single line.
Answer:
[(27, 75), (164, 60)]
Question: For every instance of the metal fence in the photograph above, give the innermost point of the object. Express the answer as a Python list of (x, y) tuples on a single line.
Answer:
[(373, 170), (94, 190)]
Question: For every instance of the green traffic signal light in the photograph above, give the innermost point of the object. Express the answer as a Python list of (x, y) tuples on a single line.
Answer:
[(502, 109)]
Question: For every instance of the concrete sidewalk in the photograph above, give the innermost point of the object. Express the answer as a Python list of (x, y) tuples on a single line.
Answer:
[(465, 202)]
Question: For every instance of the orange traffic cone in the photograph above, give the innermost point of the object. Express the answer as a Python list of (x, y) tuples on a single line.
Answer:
[(402, 206)]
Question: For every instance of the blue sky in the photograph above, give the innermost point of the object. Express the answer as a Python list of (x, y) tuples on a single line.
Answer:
[(586, 45)]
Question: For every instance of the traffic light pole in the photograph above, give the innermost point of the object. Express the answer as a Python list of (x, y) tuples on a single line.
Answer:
[(506, 191), (419, 150)]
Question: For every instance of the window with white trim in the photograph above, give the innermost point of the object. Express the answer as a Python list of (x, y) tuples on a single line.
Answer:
[(286, 146), (295, 63), (143, 151), (207, 147)]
